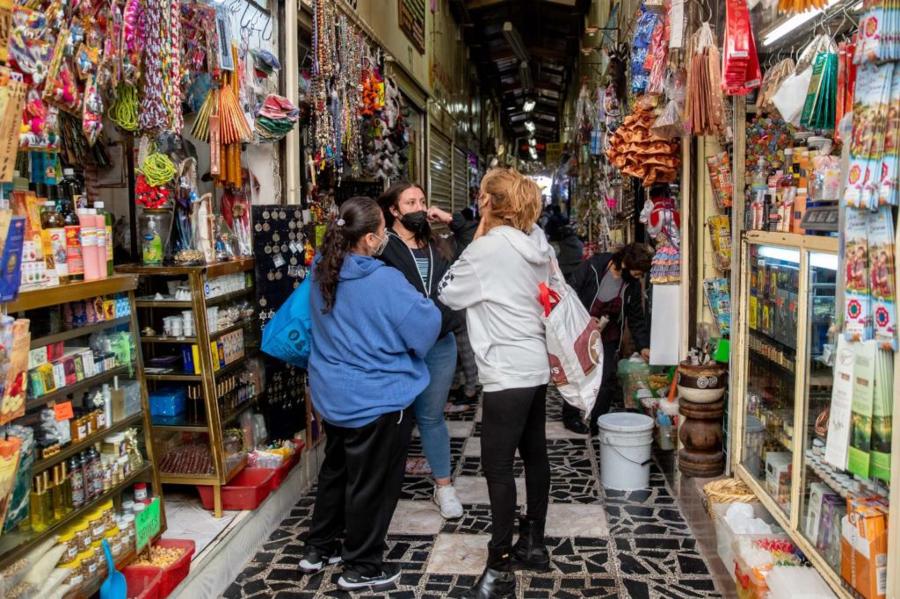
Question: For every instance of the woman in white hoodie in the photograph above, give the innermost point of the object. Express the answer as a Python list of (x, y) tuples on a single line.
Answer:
[(496, 280)]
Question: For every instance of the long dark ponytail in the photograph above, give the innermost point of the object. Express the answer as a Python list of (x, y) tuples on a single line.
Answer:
[(358, 217)]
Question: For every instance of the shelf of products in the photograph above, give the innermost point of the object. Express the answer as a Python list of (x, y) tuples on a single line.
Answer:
[(84, 452), (202, 375), (788, 424)]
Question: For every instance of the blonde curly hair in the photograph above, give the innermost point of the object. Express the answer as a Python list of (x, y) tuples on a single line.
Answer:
[(515, 200)]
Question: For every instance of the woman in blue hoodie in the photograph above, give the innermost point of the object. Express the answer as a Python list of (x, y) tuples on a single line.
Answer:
[(365, 369)]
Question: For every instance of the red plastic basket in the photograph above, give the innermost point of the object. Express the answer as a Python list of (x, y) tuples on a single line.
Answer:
[(245, 491), (173, 574), (282, 471), (142, 582)]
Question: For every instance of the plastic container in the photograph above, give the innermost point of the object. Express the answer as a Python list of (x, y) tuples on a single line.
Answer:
[(172, 575), (726, 537), (168, 401), (281, 473), (245, 491), (754, 440), (625, 441), (142, 582)]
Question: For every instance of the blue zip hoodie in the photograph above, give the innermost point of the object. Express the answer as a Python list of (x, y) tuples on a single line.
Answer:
[(368, 351)]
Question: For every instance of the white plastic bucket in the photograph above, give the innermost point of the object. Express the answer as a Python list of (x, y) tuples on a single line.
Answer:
[(625, 441)]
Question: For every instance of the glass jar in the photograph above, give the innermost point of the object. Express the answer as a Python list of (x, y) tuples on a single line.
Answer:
[(97, 524), (83, 535), (68, 540), (76, 574), (128, 527), (90, 560), (154, 226)]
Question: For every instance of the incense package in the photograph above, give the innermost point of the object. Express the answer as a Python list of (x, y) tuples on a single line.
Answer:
[(857, 301), (859, 458), (882, 415), (882, 280)]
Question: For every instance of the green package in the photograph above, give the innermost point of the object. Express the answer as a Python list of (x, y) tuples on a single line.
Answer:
[(882, 414), (859, 457)]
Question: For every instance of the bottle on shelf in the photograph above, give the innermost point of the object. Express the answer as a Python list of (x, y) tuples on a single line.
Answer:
[(107, 228), (53, 238), (100, 236), (89, 248), (74, 259), (76, 480)]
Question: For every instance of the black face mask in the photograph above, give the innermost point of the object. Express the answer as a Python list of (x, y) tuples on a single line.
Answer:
[(417, 223)]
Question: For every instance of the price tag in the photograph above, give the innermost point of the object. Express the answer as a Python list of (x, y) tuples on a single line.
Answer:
[(63, 411), (146, 524)]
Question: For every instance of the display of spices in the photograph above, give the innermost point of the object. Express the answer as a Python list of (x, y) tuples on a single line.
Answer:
[(160, 557)]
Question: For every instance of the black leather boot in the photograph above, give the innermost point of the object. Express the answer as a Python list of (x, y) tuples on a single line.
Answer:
[(497, 581), (530, 553)]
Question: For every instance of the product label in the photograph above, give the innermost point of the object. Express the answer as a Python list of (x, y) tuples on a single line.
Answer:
[(74, 258), (147, 524), (109, 243), (55, 246), (77, 489)]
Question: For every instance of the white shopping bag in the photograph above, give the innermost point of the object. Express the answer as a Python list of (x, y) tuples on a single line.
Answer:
[(574, 346)]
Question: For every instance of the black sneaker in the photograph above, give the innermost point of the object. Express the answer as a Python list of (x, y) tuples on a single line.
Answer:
[(351, 580), (315, 560)]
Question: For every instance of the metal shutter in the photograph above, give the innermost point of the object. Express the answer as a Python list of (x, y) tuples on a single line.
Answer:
[(460, 178), (440, 167)]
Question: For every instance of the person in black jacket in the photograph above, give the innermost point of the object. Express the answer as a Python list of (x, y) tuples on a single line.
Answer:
[(609, 286), (463, 225), (423, 258), (569, 249)]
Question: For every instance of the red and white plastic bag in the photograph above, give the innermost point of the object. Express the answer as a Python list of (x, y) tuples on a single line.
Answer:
[(574, 346)]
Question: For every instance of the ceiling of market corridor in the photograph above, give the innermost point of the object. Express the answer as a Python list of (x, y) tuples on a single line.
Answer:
[(538, 69)]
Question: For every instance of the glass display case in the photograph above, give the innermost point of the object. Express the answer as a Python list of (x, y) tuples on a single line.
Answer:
[(784, 358)]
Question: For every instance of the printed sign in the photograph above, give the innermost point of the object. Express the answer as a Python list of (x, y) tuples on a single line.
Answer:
[(147, 524)]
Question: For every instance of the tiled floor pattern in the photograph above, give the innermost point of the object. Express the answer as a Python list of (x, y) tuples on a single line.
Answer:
[(602, 543)]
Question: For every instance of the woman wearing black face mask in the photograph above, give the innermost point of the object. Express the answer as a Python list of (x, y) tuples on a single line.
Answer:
[(424, 258)]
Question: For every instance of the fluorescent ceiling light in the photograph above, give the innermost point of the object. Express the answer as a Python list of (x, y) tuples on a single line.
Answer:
[(532, 142), (530, 126), (794, 22), (781, 254), (525, 75), (528, 105), (826, 261), (515, 41), (533, 154)]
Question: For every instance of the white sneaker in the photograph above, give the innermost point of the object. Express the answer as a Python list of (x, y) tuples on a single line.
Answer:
[(446, 499)]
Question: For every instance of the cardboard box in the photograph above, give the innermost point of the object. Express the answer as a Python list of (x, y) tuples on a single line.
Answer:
[(37, 356), (864, 549), (778, 475)]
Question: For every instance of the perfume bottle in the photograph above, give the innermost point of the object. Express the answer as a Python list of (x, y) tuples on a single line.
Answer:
[(39, 503)]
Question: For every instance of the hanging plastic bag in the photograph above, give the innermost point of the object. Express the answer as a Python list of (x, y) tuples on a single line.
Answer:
[(791, 96)]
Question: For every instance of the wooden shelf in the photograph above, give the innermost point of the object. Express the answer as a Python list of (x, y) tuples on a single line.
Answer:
[(14, 545), (192, 340), (73, 448), (188, 304), (93, 381), (79, 332), (199, 426), (212, 270), (71, 292), (183, 377)]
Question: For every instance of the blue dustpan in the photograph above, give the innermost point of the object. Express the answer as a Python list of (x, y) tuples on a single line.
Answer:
[(114, 587)]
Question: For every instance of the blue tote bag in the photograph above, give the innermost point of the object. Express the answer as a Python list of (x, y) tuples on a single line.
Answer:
[(287, 336)]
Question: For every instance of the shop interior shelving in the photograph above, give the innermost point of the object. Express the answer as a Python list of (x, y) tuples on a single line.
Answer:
[(17, 543), (787, 386), (209, 426)]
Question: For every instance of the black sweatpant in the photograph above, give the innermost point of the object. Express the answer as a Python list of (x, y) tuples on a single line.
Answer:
[(609, 386), (359, 485), (514, 418)]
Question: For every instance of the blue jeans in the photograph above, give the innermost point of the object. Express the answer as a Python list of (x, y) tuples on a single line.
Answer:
[(429, 406)]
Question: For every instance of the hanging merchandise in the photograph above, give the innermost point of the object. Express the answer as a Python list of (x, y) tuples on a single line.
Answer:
[(846, 82), (879, 33), (821, 96), (797, 6), (660, 216), (276, 118), (719, 167), (704, 107), (740, 63), (720, 238), (640, 49), (637, 151), (771, 82)]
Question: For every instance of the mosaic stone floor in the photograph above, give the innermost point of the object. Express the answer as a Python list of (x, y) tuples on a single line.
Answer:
[(602, 543)]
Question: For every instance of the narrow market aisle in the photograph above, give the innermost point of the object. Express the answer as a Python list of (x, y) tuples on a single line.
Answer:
[(603, 544)]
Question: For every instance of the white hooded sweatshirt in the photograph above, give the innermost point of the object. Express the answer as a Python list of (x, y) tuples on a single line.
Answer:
[(496, 280)]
